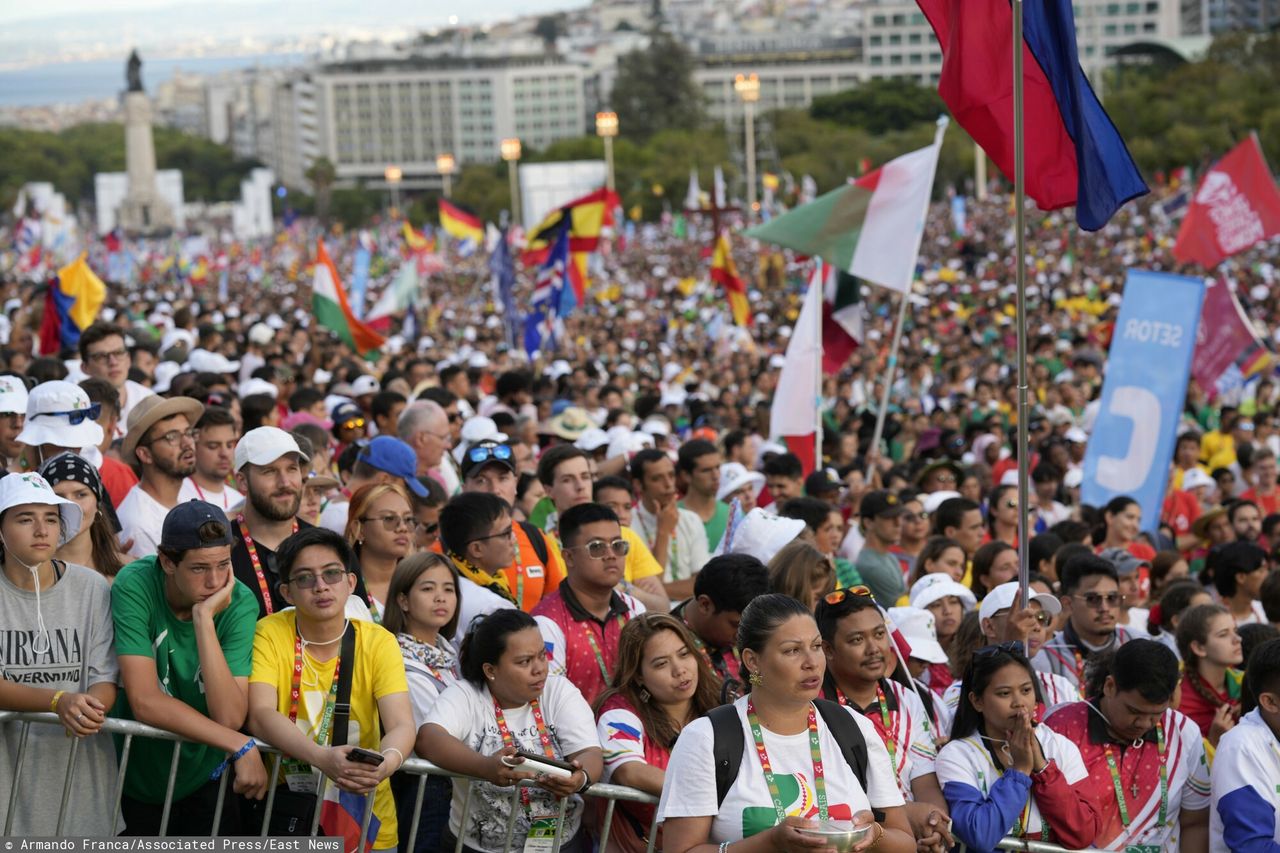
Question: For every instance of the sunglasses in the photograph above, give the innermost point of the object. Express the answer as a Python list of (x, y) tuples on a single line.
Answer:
[(307, 580), (486, 452), (841, 594), (76, 416), (1094, 600), (597, 549), (454, 417), (1042, 617), (352, 423), (430, 529), (392, 523)]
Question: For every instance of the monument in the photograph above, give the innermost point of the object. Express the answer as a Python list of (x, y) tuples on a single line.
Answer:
[(143, 210)]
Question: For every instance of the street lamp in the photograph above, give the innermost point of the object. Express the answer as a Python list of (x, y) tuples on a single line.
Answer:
[(444, 165), (748, 87), (510, 149), (607, 129), (393, 175)]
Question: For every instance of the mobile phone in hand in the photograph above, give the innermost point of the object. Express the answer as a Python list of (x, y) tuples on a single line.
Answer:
[(547, 766), (365, 756)]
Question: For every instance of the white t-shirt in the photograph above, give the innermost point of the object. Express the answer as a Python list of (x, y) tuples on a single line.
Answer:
[(225, 500), (466, 712), (334, 517), (130, 394), (474, 600), (687, 552), (1246, 773), (690, 786), (142, 520)]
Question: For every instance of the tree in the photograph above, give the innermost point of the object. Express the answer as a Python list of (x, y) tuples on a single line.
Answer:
[(655, 90), (321, 176), (549, 28), (879, 106)]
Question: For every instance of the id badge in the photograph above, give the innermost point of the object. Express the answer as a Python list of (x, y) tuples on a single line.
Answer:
[(1142, 848), (300, 777), (542, 834)]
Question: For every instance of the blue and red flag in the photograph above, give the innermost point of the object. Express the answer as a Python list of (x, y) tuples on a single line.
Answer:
[(342, 812), (551, 301), (1074, 154), (71, 304)]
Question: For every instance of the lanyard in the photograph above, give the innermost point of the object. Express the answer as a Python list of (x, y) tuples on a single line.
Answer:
[(519, 575), (1079, 668), (722, 668), (295, 692), (257, 563), (1164, 779), (508, 740), (815, 753), (595, 647), (885, 727), (200, 492)]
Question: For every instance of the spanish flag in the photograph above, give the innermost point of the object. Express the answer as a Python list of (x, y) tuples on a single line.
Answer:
[(416, 240), (725, 272), (461, 223), (585, 218)]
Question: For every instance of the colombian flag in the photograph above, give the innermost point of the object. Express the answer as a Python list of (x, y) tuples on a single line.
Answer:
[(71, 305), (725, 273), (461, 223)]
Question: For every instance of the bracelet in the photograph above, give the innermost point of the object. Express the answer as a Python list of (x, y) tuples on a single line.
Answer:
[(397, 752), (53, 706), (586, 781), (879, 836), (724, 846), (231, 759)]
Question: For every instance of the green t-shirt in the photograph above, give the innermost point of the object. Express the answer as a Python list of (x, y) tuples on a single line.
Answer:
[(146, 626), (715, 527), (541, 511)]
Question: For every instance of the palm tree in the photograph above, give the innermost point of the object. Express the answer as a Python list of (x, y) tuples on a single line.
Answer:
[(322, 174)]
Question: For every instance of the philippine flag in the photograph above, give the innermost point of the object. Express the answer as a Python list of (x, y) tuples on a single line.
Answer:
[(342, 812)]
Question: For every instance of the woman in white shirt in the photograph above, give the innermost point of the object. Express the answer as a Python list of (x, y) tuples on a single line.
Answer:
[(792, 772), (506, 703), (422, 612)]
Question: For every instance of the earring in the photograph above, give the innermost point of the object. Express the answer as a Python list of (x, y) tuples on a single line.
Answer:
[(644, 695), (755, 678)]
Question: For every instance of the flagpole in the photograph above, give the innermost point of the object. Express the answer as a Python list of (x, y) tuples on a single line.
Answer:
[(1020, 228), (817, 408)]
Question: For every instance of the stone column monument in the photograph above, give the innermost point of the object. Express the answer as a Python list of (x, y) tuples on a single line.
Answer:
[(143, 211)]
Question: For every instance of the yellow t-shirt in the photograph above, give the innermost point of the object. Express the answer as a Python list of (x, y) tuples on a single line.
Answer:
[(379, 672), (640, 560)]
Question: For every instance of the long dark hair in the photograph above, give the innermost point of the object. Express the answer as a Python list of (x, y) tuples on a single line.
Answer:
[(486, 641), (983, 559), (986, 662), (1193, 627), (406, 575), (1175, 599)]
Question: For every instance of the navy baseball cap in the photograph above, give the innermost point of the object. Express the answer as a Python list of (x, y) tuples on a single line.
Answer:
[(396, 458), (181, 530)]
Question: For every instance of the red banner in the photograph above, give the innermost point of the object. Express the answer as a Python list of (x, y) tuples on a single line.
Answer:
[(1235, 206), (1228, 350)]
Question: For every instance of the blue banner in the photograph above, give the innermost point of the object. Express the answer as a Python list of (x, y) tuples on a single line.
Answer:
[(359, 280), (1148, 368)]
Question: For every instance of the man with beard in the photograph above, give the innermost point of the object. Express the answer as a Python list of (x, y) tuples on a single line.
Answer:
[(269, 469), (161, 445)]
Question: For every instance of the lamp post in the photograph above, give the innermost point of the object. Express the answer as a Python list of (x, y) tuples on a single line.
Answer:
[(748, 87), (444, 165), (393, 174), (510, 149), (607, 129)]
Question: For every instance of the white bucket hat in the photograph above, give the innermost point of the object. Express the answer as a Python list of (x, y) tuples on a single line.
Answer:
[(13, 396), (938, 585), (762, 534), (734, 475), (31, 488), (51, 409), (918, 629)]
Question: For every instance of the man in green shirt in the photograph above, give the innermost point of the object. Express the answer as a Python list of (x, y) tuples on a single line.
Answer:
[(184, 636), (881, 514), (698, 476)]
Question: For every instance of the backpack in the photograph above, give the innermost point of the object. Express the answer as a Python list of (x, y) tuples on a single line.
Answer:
[(537, 541), (728, 743)]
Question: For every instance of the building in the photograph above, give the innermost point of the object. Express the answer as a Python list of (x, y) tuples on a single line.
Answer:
[(1210, 17), (789, 79)]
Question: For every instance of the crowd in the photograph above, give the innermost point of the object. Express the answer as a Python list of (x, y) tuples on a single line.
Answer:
[(598, 566)]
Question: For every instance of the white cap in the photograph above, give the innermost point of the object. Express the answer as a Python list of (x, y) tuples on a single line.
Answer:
[(763, 534), (204, 361), (31, 488), (674, 395), (1003, 597), (1075, 435), (733, 476), (261, 334), (163, 374), (1009, 478), (13, 396), (933, 500), (1191, 478), (48, 421), (918, 629), (1073, 478), (592, 440), (254, 385), (629, 445), (365, 384), (656, 425), (937, 586), (265, 445)]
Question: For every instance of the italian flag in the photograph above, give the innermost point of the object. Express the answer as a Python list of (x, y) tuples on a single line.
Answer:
[(331, 309)]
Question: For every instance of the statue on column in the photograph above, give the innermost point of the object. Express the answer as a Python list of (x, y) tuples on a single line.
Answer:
[(133, 72)]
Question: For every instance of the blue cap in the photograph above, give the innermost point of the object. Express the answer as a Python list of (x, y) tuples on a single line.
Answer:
[(396, 458), (181, 530)]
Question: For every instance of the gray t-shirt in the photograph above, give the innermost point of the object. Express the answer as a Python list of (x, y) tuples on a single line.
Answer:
[(78, 654), (883, 574)]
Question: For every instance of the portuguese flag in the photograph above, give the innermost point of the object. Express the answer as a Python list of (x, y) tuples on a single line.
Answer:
[(461, 223), (330, 306)]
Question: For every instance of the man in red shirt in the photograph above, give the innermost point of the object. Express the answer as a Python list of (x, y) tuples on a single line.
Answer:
[(1264, 492)]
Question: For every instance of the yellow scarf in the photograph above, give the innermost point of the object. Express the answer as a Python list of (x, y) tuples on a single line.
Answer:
[(494, 583)]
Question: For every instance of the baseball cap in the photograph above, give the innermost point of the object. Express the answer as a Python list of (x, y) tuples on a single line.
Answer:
[(1003, 597), (396, 458), (821, 481), (265, 445), (880, 504), (181, 530), (365, 384), (1125, 562), (487, 453), (937, 586)]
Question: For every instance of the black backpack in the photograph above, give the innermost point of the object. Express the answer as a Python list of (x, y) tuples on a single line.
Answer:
[(728, 743)]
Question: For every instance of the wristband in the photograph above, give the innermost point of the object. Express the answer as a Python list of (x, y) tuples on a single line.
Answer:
[(53, 706), (232, 759)]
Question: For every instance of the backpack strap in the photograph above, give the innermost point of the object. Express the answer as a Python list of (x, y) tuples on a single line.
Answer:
[(728, 744), (853, 746), (538, 541), (346, 674)]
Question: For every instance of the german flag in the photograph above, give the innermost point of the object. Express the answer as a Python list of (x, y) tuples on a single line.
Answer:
[(461, 223), (725, 273)]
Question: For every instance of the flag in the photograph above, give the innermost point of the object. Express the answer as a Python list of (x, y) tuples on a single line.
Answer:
[(584, 218), (870, 228), (1074, 154), (794, 416), (397, 299), (461, 223), (1235, 206), (1228, 350), (725, 273), (360, 272), (720, 194), (71, 304), (543, 323), (416, 240), (341, 815), (331, 309), (502, 267), (693, 197), (843, 317)]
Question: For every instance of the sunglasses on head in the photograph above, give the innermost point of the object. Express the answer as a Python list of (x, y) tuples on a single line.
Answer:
[(352, 423), (486, 452), (841, 594), (75, 416)]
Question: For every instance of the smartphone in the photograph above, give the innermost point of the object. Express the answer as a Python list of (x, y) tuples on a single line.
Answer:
[(547, 766), (365, 756)]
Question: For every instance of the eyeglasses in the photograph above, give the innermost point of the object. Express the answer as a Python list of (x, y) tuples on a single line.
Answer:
[(841, 594), (106, 357), (501, 534), (429, 529), (175, 436), (1000, 648), (915, 516), (597, 549), (1094, 600), (352, 423), (454, 417), (945, 478), (1042, 617), (76, 416), (486, 452), (392, 522), (307, 580)]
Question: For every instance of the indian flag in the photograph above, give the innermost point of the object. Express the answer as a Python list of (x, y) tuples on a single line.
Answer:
[(331, 309)]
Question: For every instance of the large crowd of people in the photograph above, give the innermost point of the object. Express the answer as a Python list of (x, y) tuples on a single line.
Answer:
[(599, 565)]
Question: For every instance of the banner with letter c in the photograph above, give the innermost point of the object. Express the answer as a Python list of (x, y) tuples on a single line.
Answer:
[(1143, 394)]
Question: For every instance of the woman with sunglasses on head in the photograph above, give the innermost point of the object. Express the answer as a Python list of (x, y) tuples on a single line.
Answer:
[(1002, 773), (803, 572), (379, 530), (1211, 661), (505, 702), (794, 770), (860, 655), (96, 545), (660, 684)]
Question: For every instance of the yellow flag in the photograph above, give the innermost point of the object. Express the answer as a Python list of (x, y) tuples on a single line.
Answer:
[(80, 283)]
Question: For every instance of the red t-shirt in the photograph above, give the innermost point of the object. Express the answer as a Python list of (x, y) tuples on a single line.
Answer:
[(1181, 509), (1268, 504), (1200, 709), (117, 478)]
